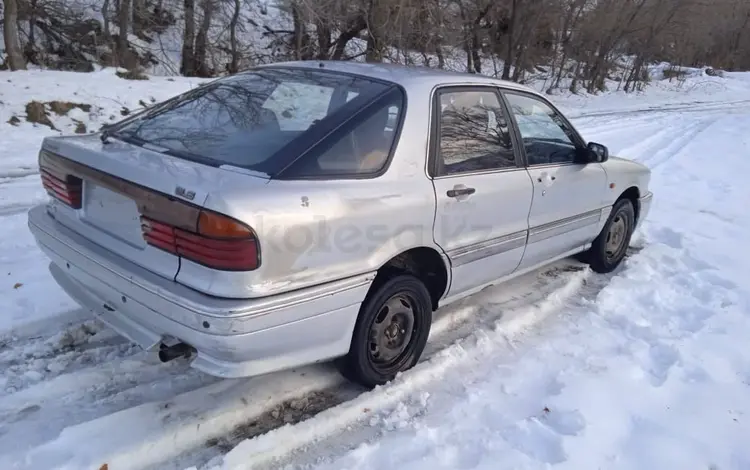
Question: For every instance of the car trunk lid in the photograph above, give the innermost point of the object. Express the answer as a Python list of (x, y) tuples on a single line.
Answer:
[(121, 183)]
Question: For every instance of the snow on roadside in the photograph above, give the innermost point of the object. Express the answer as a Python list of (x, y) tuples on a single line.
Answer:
[(110, 98), (29, 294)]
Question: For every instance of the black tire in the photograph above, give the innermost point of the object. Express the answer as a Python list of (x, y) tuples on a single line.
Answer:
[(383, 322), (609, 248)]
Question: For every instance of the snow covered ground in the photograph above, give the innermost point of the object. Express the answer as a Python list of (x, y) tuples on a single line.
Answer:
[(645, 368)]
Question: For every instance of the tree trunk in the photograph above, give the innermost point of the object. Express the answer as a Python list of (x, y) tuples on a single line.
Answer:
[(188, 40), (324, 39), (123, 20), (520, 64), (234, 65), (574, 84), (30, 47), (469, 55), (201, 41), (375, 33), (475, 52), (300, 38), (508, 63), (475, 44), (105, 18), (139, 16), (32, 22), (10, 34), (522, 44), (373, 51), (571, 17), (340, 47)]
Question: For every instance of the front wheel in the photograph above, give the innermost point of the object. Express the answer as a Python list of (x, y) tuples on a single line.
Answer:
[(391, 331), (609, 248)]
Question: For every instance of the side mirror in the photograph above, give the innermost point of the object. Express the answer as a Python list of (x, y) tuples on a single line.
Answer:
[(598, 152)]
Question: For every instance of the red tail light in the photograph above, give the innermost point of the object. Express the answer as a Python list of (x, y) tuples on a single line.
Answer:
[(220, 242), (208, 238), (67, 189)]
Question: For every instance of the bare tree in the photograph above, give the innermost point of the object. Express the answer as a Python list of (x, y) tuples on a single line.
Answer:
[(140, 16), (234, 65), (10, 35), (123, 23), (567, 43), (201, 67), (188, 40), (105, 18)]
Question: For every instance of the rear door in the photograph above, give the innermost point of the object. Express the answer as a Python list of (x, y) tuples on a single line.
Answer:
[(483, 193), (568, 196)]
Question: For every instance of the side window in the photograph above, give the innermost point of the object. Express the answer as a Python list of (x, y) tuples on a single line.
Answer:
[(362, 150), (474, 133), (545, 136)]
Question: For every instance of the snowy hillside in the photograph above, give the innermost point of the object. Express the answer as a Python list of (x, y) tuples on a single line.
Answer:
[(646, 368)]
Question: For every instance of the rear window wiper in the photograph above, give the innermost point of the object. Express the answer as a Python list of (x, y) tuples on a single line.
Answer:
[(134, 140), (105, 133)]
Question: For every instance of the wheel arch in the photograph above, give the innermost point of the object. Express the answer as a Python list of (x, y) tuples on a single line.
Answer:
[(425, 263), (633, 194)]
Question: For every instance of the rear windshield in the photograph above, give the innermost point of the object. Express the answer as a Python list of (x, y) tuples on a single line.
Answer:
[(243, 120)]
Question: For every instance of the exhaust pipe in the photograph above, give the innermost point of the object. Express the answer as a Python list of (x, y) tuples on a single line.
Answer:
[(168, 353)]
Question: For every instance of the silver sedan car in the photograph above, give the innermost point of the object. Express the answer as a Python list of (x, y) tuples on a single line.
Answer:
[(306, 211)]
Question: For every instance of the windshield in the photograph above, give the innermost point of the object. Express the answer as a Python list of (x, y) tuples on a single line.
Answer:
[(243, 120)]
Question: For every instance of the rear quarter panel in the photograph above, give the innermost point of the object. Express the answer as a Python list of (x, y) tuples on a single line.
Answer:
[(316, 231), (311, 232)]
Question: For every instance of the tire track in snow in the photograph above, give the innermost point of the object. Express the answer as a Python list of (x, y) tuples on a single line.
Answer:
[(25, 361), (66, 370), (13, 209), (23, 181), (7, 176), (504, 310), (41, 411), (691, 107), (369, 414), (179, 411), (610, 126), (667, 143), (265, 450)]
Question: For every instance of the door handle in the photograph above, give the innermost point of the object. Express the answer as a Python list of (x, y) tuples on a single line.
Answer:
[(456, 192), (540, 178)]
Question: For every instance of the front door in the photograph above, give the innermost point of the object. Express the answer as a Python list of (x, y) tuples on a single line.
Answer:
[(568, 196), (483, 192)]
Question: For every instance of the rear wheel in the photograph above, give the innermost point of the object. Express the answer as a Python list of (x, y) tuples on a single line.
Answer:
[(609, 248), (391, 331)]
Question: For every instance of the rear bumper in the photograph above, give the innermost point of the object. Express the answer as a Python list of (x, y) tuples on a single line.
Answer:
[(644, 206), (233, 337)]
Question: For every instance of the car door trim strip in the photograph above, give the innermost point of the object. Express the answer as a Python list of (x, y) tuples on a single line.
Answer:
[(562, 226), (484, 249), (502, 244)]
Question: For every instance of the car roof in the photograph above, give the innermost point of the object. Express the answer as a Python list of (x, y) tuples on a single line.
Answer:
[(409, 77)]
